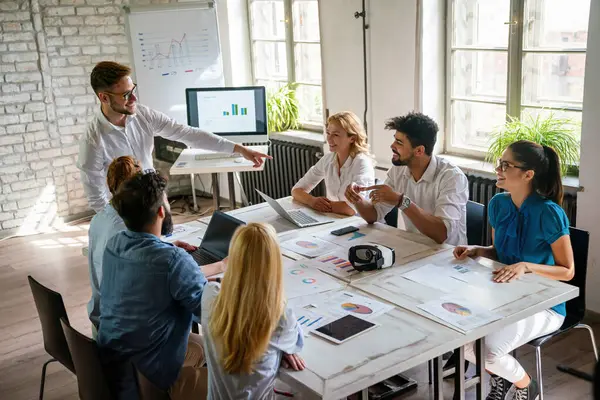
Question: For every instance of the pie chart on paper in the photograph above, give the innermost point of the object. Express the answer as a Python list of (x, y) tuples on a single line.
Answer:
[(306, 244), (357, 308)]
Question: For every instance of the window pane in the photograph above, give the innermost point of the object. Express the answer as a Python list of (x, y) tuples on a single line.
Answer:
[(267, 20), (311, 103), (553, 79), (306, 20), (473, 122), (481, 23), (480, 74), (270, 60), (556, 23), (270, 84), (574, 116), (308, 63)]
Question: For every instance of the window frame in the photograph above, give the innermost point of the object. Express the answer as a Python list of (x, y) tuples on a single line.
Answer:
[(514, 77), (290, 45)]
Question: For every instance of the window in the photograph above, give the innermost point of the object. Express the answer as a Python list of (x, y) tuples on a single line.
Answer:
[(284, 52), (497, 67)]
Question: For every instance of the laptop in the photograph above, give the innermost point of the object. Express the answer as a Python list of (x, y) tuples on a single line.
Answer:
[(215, 244), (297, 217)]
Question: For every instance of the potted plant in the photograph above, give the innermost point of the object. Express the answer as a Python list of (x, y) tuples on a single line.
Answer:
[(282, 109), (549, 130)]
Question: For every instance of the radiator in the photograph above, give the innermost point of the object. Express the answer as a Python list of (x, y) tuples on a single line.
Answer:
[(290, 162), (481, 190)]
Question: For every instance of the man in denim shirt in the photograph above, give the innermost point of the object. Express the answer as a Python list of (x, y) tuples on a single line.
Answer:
[(150, 290)]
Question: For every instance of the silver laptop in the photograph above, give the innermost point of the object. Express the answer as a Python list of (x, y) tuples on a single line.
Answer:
[(297, 217)]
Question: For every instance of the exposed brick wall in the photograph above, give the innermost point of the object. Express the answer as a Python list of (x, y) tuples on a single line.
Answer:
[(47, 51)]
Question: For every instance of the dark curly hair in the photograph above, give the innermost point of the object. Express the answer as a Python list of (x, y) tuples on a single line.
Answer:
[(418, 128), (138, 199)]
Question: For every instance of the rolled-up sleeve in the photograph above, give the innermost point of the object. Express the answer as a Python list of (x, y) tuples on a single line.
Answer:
[(93, 175), (314, 175), (383, 209), (450, 204), (193, 137)]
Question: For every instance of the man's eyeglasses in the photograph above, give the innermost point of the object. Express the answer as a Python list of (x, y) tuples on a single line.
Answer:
[(504, 165), (127, 94)]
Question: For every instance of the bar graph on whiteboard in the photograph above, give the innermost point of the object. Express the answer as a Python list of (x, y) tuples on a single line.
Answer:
[(172, 55)]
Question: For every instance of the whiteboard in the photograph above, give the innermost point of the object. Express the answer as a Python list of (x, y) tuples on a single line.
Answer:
[(174, 47)]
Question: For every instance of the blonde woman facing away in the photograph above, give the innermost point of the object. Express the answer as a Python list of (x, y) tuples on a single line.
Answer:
[(349, 162), (248, 329)]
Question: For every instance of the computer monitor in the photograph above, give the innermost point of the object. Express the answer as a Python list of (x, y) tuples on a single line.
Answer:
[(236, 113)]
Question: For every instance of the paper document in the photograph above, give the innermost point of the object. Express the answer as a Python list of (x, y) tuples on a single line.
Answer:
[(343, 303), (437, 277), (459, 313), (182, 230), (403, 248), (466, 273), (335, 264), (308, 319), (301, 279), (309, 246)]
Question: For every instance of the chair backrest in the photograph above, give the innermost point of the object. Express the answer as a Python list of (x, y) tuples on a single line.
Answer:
[(148, 390), (391, 218), (91, 380), (580, 242), (475, 223), (51, 309)]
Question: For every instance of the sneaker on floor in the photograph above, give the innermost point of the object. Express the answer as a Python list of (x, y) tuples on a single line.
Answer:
[(531, 392), (498, 388)]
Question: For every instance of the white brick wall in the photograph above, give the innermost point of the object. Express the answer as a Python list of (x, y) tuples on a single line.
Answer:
[(47, 49)]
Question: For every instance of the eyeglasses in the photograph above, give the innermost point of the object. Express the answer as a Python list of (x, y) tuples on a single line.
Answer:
[(504, 165), (127, 94)]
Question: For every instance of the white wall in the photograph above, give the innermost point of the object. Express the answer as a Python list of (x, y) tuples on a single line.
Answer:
[(392, 63), (588, 212)]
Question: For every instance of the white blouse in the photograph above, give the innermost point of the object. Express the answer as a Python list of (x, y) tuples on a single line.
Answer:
[(357, 170)]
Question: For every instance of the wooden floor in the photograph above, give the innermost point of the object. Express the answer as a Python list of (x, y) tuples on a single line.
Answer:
[(56, 261)]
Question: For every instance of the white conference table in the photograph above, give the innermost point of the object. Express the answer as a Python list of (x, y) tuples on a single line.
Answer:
[(407, 336)]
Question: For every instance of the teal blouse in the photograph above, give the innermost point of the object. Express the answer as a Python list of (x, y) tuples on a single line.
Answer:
[(526, 234)]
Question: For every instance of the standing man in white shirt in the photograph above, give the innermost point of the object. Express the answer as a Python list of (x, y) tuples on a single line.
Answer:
[(123, 127), (431, 193)]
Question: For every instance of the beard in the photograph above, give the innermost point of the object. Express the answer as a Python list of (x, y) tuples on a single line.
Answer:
[(167, 224), (400, 162), (118, 109)]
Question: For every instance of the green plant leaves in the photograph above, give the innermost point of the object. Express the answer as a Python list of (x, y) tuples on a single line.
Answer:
[(558, 133), (282, 109)]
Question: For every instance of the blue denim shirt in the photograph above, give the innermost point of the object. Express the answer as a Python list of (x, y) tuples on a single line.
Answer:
[(527, 233), (149, 291)]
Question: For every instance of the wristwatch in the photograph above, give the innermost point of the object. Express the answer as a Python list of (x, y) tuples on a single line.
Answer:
[(404, 203)]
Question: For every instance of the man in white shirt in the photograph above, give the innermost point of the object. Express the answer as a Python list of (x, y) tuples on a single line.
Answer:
[(123, 127), (431, 193)]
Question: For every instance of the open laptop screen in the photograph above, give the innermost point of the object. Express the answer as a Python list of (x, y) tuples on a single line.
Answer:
[(219, 233)]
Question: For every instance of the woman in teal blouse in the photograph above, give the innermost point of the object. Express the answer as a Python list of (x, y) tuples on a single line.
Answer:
[(530, 234)]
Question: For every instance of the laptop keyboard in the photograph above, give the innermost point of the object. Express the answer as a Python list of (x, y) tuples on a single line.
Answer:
[(203, 258), (301, 217)]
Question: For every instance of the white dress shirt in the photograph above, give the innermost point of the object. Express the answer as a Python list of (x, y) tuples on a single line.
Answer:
[(357, 169), (442, 191), (103, 142)]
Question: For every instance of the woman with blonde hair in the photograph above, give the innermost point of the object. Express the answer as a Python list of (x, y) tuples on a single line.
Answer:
[(248, 329), (348, 162)]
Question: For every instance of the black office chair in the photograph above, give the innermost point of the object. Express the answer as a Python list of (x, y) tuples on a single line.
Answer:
[(475, 223), (51, 309), (580, 241), (391, 218), (597, 382), (91, 379)]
